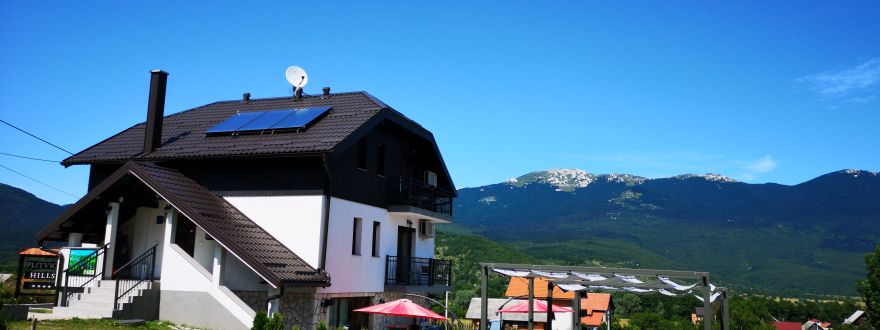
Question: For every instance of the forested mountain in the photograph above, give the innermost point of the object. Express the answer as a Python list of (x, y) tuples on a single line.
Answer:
[(21, 215), (803, 239)]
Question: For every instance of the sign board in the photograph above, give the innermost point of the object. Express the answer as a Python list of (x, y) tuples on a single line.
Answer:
[(87, 267), (37, 273)]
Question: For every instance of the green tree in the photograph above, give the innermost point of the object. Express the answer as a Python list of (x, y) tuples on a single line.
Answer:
[(870, 288), (627, 304)]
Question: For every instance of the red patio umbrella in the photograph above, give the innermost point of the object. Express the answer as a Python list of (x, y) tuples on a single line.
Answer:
[(540, 307), (402, 307)]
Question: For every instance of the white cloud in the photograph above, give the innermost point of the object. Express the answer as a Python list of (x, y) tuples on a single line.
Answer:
[(854, 84), (666, 164), (753, 169)]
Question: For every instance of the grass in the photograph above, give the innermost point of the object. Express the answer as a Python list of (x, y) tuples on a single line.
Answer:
[(87, 324)]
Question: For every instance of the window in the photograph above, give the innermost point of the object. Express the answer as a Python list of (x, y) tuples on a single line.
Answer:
[(376, 236), (362, 154), (380, 153), (356, 237)]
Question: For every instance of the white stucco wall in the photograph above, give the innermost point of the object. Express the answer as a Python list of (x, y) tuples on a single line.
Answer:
[(203, 250), (143, 232), (237, 276), (363, 273), (182, 275), (294, 220)]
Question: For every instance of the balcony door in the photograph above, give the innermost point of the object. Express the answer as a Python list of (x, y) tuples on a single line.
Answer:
[(404, 254), (405, 241)]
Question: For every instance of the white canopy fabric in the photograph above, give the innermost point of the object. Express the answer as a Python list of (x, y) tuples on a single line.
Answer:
[(616, 282)]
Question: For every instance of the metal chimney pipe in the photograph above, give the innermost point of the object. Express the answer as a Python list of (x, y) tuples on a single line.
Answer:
[(155, 110)]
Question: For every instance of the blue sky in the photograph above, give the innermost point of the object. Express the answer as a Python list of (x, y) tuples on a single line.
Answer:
[(762, 92)]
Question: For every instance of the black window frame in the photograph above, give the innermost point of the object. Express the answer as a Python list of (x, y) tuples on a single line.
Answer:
[(356, 236), (377, 230)]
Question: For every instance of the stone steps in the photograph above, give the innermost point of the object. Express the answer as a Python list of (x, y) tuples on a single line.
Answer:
[(97, 301)]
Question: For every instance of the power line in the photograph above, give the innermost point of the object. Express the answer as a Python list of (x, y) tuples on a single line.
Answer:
[(31, 158), (40, 182), (36, 137)]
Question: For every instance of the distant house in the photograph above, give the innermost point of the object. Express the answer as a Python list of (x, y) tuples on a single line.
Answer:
[(561, 321), (857, 318), (787, 326), (697, 316), (596, 308), (815, 324)]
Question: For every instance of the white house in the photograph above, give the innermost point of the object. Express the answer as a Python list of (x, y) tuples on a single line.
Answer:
[(312, 206)]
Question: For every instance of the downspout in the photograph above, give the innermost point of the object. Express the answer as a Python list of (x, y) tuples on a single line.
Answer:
[(325, 226), (277, 296)]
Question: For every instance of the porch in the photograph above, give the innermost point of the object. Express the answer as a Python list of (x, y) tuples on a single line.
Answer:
[(150, 243)]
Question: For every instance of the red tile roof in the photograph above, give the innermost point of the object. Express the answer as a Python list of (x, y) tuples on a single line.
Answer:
[(787, 325)]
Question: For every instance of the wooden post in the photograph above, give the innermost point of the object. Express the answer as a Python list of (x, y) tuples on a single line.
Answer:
[(531, 303), (707, 304), (725, 317), (484, 299), (576, 306), (549, 306)]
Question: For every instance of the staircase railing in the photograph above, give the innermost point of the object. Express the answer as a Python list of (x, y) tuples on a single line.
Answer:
[(79, 273), (131, 275)]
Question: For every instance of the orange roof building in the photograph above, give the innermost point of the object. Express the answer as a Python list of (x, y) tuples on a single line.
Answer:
[(594, 306)]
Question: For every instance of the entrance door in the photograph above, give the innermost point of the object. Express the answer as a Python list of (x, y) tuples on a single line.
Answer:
[(404, 254)]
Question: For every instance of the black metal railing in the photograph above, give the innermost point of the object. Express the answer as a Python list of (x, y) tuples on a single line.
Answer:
[(83, 272), (409, 191), (412, 271), (134, 273)]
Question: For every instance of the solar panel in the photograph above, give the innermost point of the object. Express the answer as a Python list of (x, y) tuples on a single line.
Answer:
[(301, 118), (268, 121), (233, 123), (265, 121)]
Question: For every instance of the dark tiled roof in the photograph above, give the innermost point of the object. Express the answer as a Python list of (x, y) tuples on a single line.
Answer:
[(226, 224), (183, 134)]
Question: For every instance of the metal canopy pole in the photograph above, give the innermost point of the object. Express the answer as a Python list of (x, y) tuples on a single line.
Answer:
[(549, 306), (576, 306), (484, 299), (531, 303), (707, 303)]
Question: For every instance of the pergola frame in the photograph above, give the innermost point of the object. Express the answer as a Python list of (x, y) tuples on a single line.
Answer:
[(701, 277)]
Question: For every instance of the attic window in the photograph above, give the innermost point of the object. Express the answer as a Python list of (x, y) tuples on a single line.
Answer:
[(273, 121)]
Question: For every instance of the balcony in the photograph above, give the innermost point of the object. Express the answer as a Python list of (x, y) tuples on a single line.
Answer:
[(408, 195), (410, 274)]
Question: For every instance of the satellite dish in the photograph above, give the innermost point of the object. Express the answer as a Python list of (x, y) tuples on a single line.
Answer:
[(296, 76)]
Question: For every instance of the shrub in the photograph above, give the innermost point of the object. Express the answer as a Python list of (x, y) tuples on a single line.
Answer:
[(276, 323), (260, 321), (322, 325)]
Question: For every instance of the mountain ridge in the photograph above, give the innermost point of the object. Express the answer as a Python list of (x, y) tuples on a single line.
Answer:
[(568, 179), (749, 234)]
